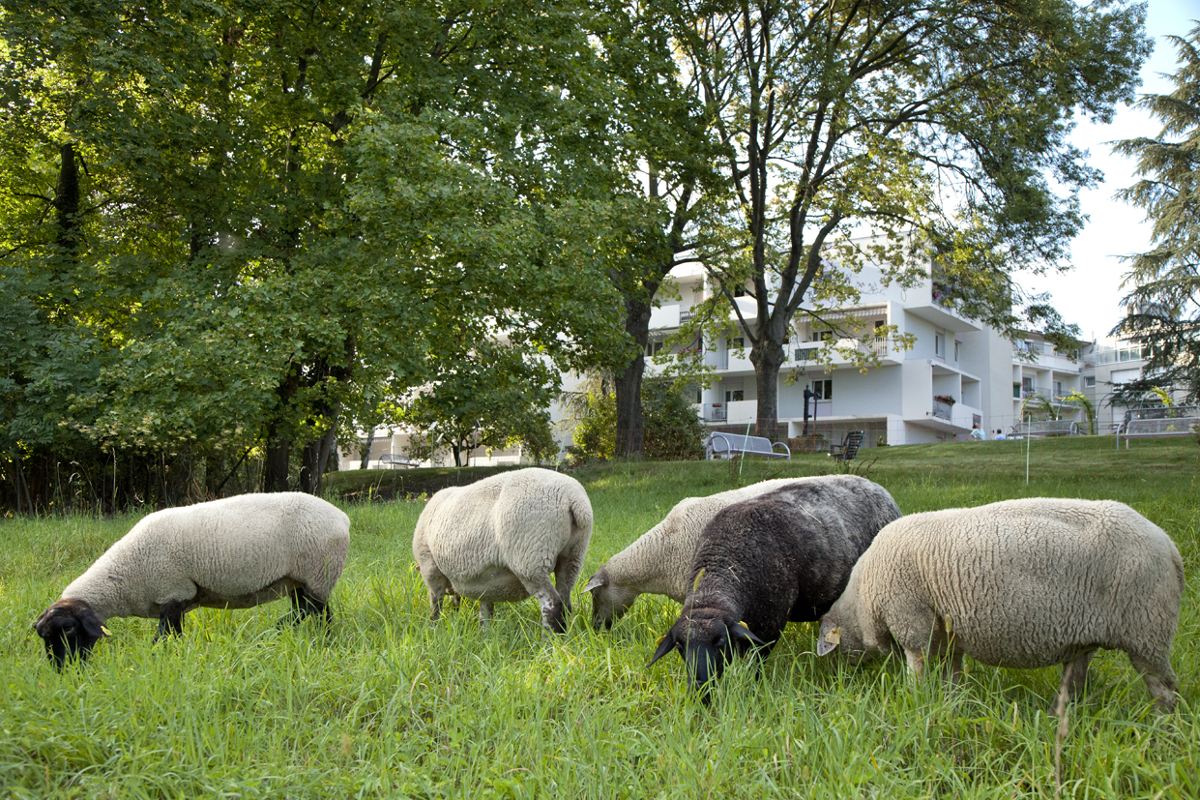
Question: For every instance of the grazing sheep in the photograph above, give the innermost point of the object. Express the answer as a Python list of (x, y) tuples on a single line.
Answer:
[(781, 557), (231, 553), (497, 540), (1020, 583), (660, 560)]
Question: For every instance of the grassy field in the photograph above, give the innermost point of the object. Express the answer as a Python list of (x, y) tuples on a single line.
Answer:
[(389, 705)]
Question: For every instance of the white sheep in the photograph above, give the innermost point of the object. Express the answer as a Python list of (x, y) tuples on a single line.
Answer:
[(231, 553), (660, 560), (497, 540), (1019, 583)]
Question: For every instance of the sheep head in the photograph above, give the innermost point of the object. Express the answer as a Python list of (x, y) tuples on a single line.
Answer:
[(707, 640), (609, 601), (69, 628)]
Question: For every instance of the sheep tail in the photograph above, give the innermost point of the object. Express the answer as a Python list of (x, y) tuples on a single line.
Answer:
[(581, 512)]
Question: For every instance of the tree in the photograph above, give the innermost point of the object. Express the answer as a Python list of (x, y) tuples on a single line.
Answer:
[(490, 396), (1163, 303), (664, 168), (938, 127), (238, 228)]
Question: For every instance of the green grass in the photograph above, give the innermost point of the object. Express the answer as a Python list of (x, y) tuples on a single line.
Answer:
[(388, 704)]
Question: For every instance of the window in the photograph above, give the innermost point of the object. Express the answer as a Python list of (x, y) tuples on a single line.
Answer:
[(735, 343), (740, 291), (939, 344), (822, 336), (823, 389), (878, 324), (1058, 389), (1089, 381), (957, 349), (1016, 389), (653, 348), (734, 395), (1125, 375)]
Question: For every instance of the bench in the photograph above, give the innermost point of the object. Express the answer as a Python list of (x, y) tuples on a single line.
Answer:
[(1046, 427), (848, 449), (725, 445), (395, 460), (1180, 421)]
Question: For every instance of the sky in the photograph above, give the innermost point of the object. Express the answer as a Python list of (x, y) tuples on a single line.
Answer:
[(1089, 294)]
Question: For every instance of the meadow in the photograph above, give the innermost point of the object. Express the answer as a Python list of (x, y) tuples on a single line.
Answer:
[(388, 704)]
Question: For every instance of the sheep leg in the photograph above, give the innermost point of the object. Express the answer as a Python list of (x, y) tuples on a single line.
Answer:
[(485, 612), (170, 620), (554, 615), (1159, 678), (439, 586), (1074, 679), (567, 569), (306, 604), (916, 661)]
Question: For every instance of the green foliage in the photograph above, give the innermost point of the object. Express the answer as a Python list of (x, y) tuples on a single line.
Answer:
[(388, 705), (233, 226), (673, 431), (488, 395), (595, 430), (1162, 310)]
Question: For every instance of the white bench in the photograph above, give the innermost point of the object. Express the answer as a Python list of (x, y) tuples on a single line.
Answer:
[(1185, 423), (1047, 427), (725, 445), (395, 460)]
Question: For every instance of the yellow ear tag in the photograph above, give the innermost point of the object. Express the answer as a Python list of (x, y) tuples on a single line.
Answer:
[(742, 622), (105, 631), (833, 636), (699, 577)]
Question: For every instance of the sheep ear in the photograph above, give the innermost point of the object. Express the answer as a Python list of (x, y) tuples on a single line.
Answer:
[(829, 638), (596, 581), (665, 645), (742, 631), (40, 621)]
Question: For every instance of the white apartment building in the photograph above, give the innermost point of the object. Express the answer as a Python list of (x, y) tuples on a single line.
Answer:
[(955, 377)]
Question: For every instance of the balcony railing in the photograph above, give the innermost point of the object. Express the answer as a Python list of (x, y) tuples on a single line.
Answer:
[(942, 409)]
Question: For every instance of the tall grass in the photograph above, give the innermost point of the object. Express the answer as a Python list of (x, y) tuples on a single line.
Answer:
[(388, 704)]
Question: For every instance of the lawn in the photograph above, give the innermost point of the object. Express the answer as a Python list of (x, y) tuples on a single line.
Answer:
[(387, 704)]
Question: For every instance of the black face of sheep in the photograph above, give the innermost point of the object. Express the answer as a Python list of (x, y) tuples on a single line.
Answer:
[(707, 645), (69, 629)]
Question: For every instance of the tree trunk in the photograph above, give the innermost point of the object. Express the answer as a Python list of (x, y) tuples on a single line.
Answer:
[(631, 429), (275, 467), (365, 451), (767, 359), (457, 451), (315, 461)]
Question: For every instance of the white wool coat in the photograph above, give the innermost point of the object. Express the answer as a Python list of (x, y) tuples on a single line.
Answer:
[(235, 552), (500, 537)]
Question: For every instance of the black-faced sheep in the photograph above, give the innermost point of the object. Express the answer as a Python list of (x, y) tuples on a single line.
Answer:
[(1020, 583), (781, 557), (660, 560), (498, 539), (231, 553)]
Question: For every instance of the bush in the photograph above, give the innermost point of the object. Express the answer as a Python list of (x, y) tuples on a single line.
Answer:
[(672, 429)]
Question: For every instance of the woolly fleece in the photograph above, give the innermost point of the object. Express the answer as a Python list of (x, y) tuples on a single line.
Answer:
[(235, 552), (1019, 583), (497, 540)]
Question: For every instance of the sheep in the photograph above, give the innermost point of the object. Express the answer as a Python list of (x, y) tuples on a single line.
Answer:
[(660, 560), (1019, 583), (231, 553), (496, 540), (780, 557)]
